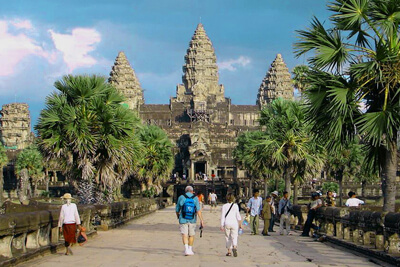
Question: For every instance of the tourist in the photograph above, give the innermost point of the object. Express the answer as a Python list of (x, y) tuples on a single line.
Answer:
[(254, 206), (266, 214), (330, 199), (313, 206), (284, 209), (187, 210), (200, 196), (274, 203), (231, 222), (212, 200), (353, 201), (68, 221)]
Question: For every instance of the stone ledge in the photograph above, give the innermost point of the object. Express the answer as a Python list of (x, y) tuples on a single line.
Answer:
[(382, 256)]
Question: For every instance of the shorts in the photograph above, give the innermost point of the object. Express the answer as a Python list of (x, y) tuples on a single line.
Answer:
[(213, 203), (187, 229)]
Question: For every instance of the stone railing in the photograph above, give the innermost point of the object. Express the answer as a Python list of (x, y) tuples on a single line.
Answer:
[(28, 230), (376, 231)]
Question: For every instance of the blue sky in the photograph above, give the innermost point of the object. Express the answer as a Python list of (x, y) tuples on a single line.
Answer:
[(42, 40)]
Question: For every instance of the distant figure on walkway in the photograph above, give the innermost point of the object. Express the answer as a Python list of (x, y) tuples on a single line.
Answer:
[(187, 210), (200, 196), (284, 212), (274, 203), (266, 214), (68, 221), (314, 205), (254, 207), (330, 199), (231, 222), (212, 200), (353, 201)]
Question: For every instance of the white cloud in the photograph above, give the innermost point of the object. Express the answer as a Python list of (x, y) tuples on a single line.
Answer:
[(16, 47), (76, 46), (22, 24), (232, 64)]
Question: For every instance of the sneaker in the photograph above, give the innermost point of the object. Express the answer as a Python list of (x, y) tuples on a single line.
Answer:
[(189, 252)]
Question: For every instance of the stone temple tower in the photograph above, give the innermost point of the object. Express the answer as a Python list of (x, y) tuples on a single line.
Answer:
[(123, 77), (276, 84), (200, 78), (15, 126)]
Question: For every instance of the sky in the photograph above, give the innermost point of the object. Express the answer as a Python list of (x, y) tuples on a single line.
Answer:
[(42, 40)]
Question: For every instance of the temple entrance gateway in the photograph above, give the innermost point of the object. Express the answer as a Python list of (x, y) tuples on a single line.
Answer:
[(200, 167)]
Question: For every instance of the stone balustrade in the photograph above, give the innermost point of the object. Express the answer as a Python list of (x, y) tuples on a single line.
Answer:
[(27, 230), (369, 229)]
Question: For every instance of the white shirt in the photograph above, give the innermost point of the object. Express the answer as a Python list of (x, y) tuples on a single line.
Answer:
[(69, 214), (315, 203), (354, 202), (213, 197), (233, 216)]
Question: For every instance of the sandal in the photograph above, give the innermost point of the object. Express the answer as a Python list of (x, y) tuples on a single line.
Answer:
[(228, 254), (234, 252)]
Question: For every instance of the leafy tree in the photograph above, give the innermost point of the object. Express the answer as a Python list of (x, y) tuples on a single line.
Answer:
[(30, 160), (157, 161), (88, 131), (299, 77), (330, 186), (356, 65), (3, 162)]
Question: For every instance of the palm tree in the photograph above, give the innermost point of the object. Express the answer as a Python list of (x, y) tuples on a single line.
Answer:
[(88, 131), (300, 77), (356, 64), (344, 164), (30, 160), (3, 162), (157, 160), (287, 138)]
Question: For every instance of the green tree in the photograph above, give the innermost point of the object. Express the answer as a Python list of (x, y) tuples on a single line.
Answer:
[(3, 162), (157, 162), (30, 160), (287, 140), (299, 77), (88, 131), (356, 63), (344, 164)]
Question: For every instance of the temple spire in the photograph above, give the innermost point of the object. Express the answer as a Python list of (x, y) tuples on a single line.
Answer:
[(123, 77), (276, 84)]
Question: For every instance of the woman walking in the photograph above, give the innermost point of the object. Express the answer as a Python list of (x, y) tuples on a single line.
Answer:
[(231, 222), (68, 222)]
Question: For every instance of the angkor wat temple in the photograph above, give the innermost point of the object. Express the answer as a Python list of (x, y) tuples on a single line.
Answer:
[(200, 120)]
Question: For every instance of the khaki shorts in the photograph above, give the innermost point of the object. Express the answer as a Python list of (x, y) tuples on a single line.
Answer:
[(187, 229), (213, 203)]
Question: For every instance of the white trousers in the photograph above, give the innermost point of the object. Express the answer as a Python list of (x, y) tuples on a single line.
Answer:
[(231, 236), (285, 219)]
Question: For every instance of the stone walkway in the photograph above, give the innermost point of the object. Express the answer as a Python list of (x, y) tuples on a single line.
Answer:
[(154, 240)]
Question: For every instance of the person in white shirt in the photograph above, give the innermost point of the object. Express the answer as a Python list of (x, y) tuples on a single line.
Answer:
[(353, 201), (68, 221), (212, 199), (231, 222)]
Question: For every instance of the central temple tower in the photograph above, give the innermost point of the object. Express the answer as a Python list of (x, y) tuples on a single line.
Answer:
[(200, 78)]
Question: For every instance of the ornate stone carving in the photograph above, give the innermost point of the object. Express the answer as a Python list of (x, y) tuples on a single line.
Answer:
[(276, 84), (15, 126), (123, 77)]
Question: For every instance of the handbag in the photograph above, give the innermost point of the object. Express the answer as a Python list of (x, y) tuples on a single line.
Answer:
[(81, 239)]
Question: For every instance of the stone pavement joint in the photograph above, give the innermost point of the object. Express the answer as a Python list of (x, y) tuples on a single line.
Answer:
[(154, 240)]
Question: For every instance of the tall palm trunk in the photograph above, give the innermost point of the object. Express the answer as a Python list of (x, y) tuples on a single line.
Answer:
[(287, 177), (339, 177), (295, 192), (1, 185), (389, 177), (266, 178), (250, 187), (363, 186)]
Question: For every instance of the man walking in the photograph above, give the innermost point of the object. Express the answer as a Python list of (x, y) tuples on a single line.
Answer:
[(274, 204), (187, 210), (254, 206), (212, 199), (284, 211)]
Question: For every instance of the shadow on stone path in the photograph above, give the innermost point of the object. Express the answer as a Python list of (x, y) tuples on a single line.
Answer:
[(154, 240)]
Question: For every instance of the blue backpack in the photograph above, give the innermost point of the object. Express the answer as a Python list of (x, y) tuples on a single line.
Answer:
[(189, 208)]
